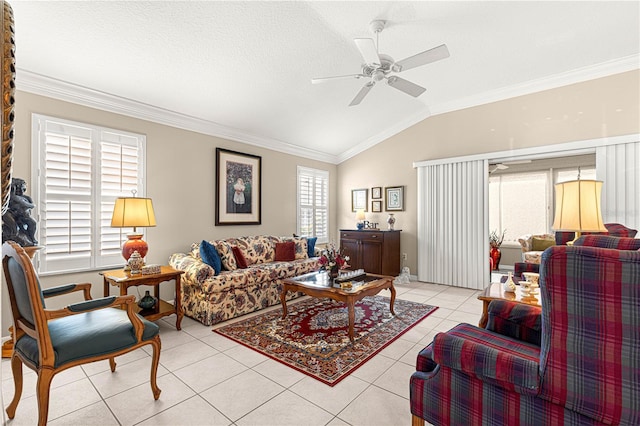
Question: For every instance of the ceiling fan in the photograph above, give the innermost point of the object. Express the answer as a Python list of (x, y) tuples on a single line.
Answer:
[(378, 66)]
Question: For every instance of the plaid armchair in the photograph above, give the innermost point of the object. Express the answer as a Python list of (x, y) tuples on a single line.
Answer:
[(574, 361)]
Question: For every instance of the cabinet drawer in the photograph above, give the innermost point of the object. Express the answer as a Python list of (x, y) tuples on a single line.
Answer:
[(362, 235)]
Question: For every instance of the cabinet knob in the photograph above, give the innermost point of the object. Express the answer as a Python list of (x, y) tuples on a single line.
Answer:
[(374, 236)]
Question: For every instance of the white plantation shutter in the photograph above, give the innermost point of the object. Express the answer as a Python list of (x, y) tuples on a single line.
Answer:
[(313, 203), (79, 171)]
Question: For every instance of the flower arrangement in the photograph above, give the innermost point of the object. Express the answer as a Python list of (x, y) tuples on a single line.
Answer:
[(333, 259), (496, 239)]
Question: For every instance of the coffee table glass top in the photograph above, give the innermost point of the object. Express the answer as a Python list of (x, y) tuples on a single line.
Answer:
[(320, 279)]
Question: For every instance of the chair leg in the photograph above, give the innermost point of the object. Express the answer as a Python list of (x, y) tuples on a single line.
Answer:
[(112, 364), (155, 360), (417, 421), (16, 368), (43, 387)]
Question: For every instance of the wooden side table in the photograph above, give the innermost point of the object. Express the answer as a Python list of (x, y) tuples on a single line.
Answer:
[(495, 291), (124, 280)]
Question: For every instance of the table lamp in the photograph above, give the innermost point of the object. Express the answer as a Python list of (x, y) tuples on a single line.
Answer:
[(360, 218), (578, 207), (133, 212)]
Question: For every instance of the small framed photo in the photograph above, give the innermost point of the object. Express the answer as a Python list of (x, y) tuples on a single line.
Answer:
[(359, 199), (394, 198), (376, 193), (376, 206)]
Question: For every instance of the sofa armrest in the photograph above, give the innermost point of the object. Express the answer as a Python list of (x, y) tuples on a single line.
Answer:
[(196, 272), (516, 320), (491, 357)]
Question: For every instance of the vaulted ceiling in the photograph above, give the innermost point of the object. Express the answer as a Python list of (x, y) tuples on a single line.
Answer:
[(242, 69)]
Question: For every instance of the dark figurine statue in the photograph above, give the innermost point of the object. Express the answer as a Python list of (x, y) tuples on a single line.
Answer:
[(17, 223)]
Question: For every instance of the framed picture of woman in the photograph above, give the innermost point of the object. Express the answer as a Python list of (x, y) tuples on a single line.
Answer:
[(238, 188)]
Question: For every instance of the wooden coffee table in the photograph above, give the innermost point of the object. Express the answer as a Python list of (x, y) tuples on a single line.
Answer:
[(495, 291), (317, 284)]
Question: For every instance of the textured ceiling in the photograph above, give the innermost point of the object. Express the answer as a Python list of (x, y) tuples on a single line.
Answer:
[(245, 67)]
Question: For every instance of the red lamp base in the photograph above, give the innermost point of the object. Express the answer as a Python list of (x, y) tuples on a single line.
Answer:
[(134, 242)]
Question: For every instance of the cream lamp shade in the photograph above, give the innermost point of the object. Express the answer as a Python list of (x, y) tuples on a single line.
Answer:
[(133, 212), (360, 215), (578, 206)]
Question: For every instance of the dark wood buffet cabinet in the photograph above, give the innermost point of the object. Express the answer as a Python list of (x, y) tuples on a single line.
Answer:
[(377, 252)]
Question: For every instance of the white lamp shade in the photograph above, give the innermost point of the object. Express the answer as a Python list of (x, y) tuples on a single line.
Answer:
[(360, 215), (578, 206), (133, 212)]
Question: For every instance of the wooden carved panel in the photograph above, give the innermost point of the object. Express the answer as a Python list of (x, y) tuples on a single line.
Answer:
[(8, 77)]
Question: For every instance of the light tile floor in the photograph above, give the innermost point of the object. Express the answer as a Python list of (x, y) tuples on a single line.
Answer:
[(207, 379)]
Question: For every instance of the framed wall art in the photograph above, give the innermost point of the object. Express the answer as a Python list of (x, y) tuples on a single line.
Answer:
[(394, 198), (376, 193), (238, 188), (376, 206), (359, 199)]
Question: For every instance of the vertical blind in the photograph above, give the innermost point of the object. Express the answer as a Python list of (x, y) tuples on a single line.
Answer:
[(453, 239), (618, 166), (80, 170), (313, 203)]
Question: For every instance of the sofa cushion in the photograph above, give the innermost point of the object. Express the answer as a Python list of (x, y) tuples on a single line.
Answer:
[(607, 241), (226, 255), (311, 246), (285, 251), (240, 260), (301, 246), (541, 244), (210, 256), (255, 249)]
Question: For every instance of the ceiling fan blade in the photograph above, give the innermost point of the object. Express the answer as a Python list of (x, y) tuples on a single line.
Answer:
[(362, 93), (337, 77), (405, 86), (423, 58), (367, 48)]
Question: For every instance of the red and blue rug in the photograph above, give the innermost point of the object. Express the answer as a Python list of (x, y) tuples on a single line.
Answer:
[(314, 338)]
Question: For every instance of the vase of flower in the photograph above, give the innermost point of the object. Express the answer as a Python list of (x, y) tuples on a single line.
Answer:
[(495, 241), (332, 260)]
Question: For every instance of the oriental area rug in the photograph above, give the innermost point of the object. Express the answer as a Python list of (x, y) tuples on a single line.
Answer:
[(314, 337)]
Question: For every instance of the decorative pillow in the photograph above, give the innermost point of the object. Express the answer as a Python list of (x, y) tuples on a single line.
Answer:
[(301, 246), (210, 256), (541, 244), (285, 252), (226, 255), (240, 260), (311, 246)]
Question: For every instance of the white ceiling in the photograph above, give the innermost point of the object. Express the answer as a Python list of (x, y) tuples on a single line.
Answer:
[(242, 69)]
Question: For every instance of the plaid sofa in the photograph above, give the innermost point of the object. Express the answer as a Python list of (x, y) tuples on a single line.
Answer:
[(575, 361)]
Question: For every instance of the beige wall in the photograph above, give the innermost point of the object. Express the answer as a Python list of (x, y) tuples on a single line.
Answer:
[(180, 168), (594, 109), (180, 180)]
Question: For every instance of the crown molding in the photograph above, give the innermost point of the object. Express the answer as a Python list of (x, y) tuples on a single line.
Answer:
[(579, 75), (46, 86)]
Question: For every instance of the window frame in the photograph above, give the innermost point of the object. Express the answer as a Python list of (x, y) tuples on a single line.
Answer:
[(98, 135), (315, 173)]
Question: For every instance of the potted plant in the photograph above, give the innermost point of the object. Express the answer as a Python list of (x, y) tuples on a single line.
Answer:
[(495, 241)]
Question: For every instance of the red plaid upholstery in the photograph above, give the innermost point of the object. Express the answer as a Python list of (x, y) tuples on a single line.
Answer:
[(607, 241), (520, 267), (589, 359)]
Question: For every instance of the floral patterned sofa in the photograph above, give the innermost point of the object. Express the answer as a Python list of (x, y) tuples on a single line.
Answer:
[(235, 291)]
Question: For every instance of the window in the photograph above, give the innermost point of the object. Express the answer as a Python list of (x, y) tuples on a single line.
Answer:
[(79, 171), (313, 203), (523, 202)]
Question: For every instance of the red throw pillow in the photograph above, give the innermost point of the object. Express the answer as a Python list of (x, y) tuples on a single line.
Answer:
[(240, 260), (285, 252)]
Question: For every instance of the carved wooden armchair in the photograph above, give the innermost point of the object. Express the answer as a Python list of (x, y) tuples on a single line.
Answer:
[(51, 340)]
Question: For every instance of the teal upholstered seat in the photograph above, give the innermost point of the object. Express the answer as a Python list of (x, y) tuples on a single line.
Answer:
[(51, 340), (87, 335)]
